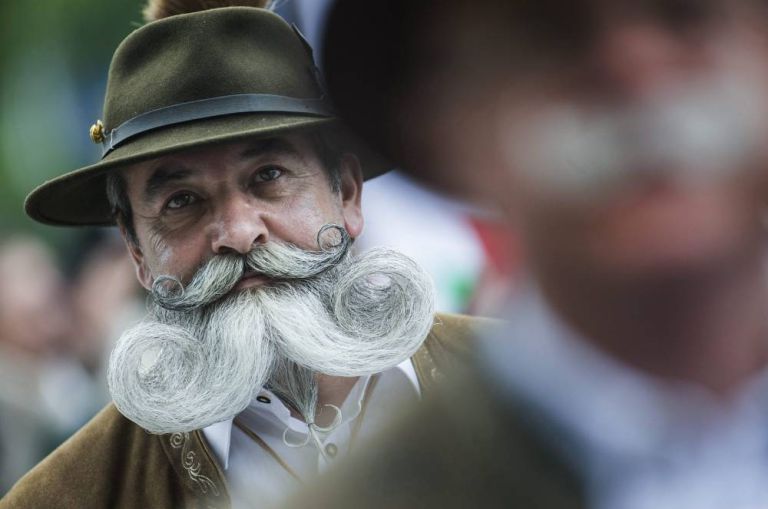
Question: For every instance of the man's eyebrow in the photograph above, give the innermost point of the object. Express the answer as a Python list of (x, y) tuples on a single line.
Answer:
[(161, 177), (271, 146)]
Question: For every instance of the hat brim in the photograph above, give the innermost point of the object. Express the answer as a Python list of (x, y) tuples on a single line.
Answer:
[(78, 198)]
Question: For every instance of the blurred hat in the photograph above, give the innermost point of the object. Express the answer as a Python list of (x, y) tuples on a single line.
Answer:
[(370, 62), (188, 81), (381, 60), (420, 80)]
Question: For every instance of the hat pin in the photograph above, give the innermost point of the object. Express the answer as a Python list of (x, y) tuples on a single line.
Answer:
[(97, 132)]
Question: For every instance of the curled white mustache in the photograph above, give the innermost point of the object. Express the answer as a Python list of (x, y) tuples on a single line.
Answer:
[(372, 316), (167, 378), (213, 350), (276, 260)]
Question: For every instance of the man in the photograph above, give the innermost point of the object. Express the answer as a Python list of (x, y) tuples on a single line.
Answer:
[(627, 141), (268, 350)]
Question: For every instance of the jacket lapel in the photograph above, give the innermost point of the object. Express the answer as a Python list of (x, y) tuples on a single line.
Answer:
[(196, 469)]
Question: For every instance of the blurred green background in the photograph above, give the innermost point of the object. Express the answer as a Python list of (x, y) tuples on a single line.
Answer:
[(54, 56)]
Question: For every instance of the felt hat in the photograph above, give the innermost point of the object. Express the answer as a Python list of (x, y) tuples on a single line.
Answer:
[(188, 81)]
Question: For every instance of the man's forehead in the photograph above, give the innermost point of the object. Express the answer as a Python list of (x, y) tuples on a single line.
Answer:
[(185, 163), (296, 145)]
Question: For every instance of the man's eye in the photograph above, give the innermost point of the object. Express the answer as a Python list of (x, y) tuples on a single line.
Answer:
[(180, 200), (268, 173)]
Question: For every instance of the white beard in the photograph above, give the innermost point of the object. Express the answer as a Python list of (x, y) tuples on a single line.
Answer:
[(184, 370)]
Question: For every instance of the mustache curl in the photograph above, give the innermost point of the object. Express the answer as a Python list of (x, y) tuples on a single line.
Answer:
[(280, 261), (203, 352), (372, 317), (160, 374)]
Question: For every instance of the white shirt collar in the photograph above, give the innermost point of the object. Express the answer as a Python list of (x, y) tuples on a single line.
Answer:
[(610, 408), (219, 435)]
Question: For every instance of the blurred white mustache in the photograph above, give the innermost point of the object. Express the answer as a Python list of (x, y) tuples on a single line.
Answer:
[(704, 130)]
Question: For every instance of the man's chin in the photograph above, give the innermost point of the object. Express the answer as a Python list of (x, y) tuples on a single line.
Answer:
[(688, 252)]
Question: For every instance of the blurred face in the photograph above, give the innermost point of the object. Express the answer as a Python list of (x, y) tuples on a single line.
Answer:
[(632, 140), (190, 206), (651, 157), (32, 313)]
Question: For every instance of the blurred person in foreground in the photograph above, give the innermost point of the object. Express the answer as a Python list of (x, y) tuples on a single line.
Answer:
[(269, 350), (628, 142)]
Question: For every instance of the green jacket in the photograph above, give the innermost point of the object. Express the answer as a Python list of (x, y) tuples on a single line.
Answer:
[(113, 463)]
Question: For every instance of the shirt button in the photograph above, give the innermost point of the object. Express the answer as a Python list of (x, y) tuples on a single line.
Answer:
[(331, 450), (263, 399)]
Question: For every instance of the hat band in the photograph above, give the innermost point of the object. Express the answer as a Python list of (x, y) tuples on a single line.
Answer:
[(209, 108)]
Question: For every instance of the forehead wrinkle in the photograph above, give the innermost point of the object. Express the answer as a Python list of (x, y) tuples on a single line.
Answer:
[(272, 146)]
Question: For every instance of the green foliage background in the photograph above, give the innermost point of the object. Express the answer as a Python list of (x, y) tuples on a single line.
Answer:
[(54, 56)]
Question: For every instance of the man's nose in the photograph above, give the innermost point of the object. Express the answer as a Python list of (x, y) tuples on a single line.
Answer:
[(237, 226), (635, 59)]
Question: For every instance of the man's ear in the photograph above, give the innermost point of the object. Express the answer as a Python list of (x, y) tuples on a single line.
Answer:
[(351, 176), (137, 257)]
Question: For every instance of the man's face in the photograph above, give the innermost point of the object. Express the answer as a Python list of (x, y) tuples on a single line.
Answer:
[(190, 206), (232, 217), (626, 135), (654, 144), (32, 315), (632, 138)]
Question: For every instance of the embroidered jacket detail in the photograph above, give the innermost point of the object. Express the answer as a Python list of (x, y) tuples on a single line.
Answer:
[(192, 464)]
